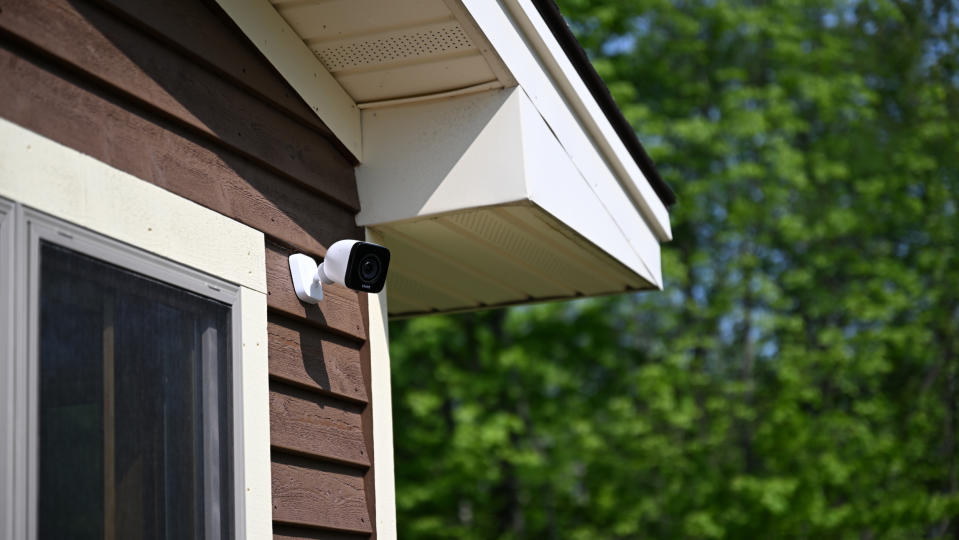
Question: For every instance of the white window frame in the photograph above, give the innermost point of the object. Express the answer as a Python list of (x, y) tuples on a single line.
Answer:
[(32, 228), (7, 383), (53, 192)]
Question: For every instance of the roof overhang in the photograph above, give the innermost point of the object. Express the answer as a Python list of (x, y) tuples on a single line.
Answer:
[(486, 164)]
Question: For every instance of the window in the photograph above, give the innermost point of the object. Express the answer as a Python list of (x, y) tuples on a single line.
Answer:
[(123, 387)]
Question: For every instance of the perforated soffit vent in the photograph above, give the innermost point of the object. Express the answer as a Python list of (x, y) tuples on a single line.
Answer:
[(399, 46)]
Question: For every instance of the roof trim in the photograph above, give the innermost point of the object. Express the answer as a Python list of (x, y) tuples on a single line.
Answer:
[(533, 55), (554, 20), (297, 64)]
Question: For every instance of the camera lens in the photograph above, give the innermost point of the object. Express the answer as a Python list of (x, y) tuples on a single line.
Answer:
[(369, 267)]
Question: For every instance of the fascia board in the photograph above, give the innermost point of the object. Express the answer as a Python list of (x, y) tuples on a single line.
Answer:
[(291, 57), (440, 156), (540, 66), (601, 212)]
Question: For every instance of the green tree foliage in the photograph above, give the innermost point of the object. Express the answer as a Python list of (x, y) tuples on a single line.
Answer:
[(798, 376)]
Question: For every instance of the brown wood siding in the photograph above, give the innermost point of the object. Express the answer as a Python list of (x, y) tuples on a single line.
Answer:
[(173, 93)]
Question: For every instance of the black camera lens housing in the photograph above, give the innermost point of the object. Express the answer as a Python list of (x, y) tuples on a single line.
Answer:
[(367, 266)]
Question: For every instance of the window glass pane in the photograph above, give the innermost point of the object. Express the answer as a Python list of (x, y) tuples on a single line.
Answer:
[(134, 407)]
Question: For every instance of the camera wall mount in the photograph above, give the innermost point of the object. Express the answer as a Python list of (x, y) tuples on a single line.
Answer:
[(307, 278)]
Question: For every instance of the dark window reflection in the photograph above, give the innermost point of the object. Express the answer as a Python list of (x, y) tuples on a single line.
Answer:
[(134, 407)]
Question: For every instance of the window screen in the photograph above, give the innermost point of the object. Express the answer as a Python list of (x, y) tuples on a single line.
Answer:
[(134, 408)]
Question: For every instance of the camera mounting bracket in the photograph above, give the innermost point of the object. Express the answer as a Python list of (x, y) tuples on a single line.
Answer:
[(307, 281)]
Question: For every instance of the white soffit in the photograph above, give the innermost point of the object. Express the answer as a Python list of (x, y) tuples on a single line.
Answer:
[(345, 55), (384, 50), (481, 206)]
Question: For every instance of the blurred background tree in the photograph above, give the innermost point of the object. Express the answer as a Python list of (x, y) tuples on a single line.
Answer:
[(798, 376)]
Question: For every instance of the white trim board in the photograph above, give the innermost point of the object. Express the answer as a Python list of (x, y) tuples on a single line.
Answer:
[(383, 479), (534, 57), (52, 178), (8, 385), (281, 45), (60, 181)]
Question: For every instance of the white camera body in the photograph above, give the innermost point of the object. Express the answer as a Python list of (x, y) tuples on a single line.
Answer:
[(361, 266), (333, 268)]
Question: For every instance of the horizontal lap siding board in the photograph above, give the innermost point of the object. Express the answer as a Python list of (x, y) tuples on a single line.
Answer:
[(154, 149), (327, 496), (287, 532), (184, 26), (300, 355), (204, 101), (312, 425), (173, 93)]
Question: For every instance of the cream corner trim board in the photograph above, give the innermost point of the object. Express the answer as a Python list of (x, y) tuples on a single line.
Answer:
[(384, 488), (256, 415), (60, 181)]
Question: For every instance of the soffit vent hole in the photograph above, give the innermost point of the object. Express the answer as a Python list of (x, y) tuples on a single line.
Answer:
[(437, 40)]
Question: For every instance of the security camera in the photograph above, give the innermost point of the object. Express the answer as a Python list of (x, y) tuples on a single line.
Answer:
[(360, 266)]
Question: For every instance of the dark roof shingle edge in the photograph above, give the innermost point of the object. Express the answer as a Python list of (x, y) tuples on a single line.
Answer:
[(550, 13)]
